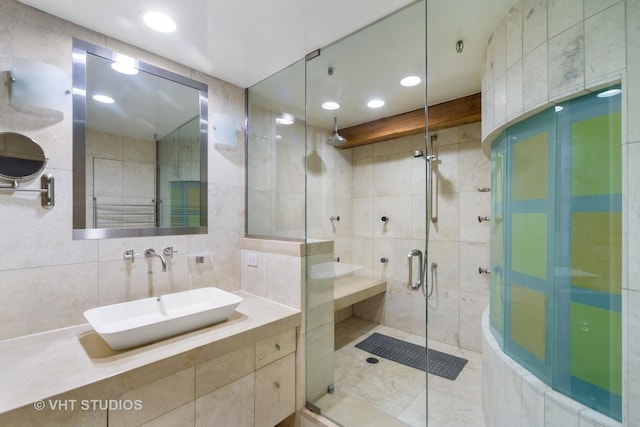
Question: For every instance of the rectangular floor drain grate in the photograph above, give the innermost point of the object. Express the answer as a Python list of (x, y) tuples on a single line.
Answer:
[(441, 364)]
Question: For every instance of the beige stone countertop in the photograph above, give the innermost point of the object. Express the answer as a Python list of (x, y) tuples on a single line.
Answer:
[(44, 365)]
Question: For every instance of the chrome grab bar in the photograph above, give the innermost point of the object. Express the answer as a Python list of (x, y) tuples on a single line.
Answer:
[(410, 284)]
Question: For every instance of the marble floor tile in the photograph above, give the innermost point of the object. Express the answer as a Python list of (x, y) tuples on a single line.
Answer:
[(391, 394)]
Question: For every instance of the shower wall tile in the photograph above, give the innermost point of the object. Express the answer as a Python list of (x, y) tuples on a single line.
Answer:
[(476, 167), (533, 404), (500, 101), (563, 14), (471, 307), (445, 136), (591, 7), (40, 299), (445, 170), (475, 255), (566, 62), (362, 152), (446, 208), (633, 214), (444, 316), (500, 49), (400, 146), (470, 133), (288, 217), (514, 91), (560, 410), (284, 273), (398, 211), (605, 44), (363, 217), (534, 24), (472, 205), (633, 69), (487, 107), (513, 398), (534, 78), (446, 255), (631, 356), (396, 251), (487, 63), (392, 174), (494, 372), (362, 182), (514, 34)]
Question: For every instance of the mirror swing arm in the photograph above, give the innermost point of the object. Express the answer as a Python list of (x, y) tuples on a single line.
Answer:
[(47, 189)]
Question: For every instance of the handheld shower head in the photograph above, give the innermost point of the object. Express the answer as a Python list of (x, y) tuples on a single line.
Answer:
[(336, 140)]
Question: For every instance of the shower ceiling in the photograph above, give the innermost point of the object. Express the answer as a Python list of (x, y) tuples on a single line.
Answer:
[(245, 41)]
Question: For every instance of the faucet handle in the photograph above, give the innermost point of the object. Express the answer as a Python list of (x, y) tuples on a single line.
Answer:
[(168, 251), (130, 254)]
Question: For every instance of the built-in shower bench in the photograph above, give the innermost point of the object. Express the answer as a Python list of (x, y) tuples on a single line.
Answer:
[(349, 290)]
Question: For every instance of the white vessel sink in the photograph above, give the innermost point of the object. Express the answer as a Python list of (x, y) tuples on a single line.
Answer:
[(142, 321)]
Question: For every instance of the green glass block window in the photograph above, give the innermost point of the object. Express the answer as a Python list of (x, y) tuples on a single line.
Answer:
[(530, 169), (529, 244), (529, 320), (596, 347)]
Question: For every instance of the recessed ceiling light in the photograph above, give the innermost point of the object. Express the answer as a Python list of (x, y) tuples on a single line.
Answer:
[(330, 105), (608, 93), (375, 103), (104, 99), (285, 119), (124, 64), (159, 22), (559, 108), (410, 81)]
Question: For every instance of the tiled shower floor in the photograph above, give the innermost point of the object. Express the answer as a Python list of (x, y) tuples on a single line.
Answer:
[(389, 394)]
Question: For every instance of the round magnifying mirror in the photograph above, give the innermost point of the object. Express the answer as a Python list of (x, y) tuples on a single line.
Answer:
[(21, 158)]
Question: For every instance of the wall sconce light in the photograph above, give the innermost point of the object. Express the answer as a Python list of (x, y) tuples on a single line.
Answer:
[(224, 130), (38, 88)]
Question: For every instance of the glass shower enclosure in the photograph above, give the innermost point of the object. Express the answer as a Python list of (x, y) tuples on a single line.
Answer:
[(365, 203)]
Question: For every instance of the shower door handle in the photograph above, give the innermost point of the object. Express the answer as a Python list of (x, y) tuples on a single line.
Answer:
[(415, 286)]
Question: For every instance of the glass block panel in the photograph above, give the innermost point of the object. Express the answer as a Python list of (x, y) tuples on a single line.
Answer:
[(528, 320)]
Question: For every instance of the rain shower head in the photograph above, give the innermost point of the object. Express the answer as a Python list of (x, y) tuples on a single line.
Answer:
[(336, 140)]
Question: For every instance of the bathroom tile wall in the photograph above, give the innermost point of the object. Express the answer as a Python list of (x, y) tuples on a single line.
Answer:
[(589, 45), (389, 181), (278, 159), (47, 279)]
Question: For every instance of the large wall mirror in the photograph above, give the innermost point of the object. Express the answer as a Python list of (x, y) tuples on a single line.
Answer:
[(139, 148)]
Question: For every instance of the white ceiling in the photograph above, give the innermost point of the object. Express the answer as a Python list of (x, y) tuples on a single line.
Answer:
[(245, 41)]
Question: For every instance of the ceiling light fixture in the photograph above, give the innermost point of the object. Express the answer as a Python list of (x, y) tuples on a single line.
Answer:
[(375, 103), (159, 22), (124, 64), (285, 119), (609, 93), (330, 105), (410, 81), (104, 99)]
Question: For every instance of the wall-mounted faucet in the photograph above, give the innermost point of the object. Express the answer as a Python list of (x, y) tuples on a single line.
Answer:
[(153, 253)]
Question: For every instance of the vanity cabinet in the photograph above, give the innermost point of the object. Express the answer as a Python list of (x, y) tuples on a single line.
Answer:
[(275, 390)]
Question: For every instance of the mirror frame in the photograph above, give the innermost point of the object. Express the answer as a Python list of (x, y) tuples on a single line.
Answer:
[(80, 231)]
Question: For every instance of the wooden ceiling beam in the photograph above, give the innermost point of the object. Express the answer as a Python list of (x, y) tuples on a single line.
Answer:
[(448, 114)]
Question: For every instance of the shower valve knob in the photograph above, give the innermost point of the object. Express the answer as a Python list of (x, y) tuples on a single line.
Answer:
[(384, 260), (483, 270), (335, 218), (384, 219)]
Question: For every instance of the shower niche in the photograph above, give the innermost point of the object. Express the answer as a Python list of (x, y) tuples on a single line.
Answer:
[(556, 233)]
